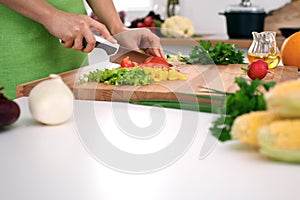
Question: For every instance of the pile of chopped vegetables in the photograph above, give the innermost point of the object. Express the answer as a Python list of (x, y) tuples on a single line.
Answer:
[(118, 76), (131, 73)]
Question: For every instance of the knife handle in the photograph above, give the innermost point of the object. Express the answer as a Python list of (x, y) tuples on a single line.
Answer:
[(84, 42), (108, 47)]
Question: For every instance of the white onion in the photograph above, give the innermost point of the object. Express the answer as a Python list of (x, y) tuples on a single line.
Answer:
[(51, 101)]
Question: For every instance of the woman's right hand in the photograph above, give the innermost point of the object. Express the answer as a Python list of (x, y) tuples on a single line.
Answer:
[(72, 28), (69, 27)]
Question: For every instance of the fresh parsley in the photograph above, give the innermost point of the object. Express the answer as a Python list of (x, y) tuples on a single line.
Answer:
[(248, 98), (221, 54)]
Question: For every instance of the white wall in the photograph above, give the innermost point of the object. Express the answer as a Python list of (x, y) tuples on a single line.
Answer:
[(204, 13)]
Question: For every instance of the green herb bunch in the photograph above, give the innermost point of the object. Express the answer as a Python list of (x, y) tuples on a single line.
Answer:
[(248, 98), (220, 54)]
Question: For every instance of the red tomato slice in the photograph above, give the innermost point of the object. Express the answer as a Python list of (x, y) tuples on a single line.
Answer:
[(155, 62), (126, 63)]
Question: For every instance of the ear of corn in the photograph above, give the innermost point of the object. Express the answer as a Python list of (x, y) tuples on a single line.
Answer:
[(276, 131), (245, 126), (281, 140), (286, 133), (284, 99)]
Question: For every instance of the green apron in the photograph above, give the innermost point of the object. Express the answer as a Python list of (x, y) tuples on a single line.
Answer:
[(29, 52)]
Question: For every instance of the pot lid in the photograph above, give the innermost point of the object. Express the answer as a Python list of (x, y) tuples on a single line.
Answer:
[(244, 6)]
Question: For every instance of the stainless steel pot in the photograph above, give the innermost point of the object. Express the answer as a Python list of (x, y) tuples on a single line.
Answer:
[(243, 19)]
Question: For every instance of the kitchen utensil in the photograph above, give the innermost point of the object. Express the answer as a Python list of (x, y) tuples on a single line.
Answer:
[(108, 47), (243, 19), (117, 53), (288, 31), (133, 55)]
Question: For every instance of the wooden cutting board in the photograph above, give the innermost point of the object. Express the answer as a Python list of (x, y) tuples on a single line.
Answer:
[(219, 77)]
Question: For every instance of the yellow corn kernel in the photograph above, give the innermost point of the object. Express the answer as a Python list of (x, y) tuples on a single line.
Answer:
[(245, 127), (164, 75), (286, 133), (182, 76), (284, 99), (173, 75), (283, 88)]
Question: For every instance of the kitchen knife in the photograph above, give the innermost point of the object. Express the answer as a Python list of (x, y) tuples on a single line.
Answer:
[(110, 48), (117, 53), (134, 56)]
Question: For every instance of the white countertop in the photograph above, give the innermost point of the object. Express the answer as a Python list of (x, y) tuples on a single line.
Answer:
[(39, 162)]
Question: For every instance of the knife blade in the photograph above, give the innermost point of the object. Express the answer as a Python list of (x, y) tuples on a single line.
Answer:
[(117, 53), (110, 48), (135, 56)]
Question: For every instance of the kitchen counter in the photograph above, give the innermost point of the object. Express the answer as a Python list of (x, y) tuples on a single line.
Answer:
[(241, 43), (59, 162)]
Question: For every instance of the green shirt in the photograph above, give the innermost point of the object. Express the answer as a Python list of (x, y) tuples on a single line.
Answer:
[(29, 52)]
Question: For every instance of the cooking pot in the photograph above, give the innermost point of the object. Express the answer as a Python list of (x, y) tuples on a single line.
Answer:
[(243, 19)]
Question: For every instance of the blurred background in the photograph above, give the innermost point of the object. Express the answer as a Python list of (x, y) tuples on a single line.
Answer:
[(203, 13), (205, 16)]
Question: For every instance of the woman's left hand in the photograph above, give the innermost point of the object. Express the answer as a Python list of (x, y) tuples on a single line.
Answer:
[(140, 39)]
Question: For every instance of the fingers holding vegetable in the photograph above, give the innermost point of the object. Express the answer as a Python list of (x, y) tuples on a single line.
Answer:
[(151, 43), (140, 39), (155, 52)]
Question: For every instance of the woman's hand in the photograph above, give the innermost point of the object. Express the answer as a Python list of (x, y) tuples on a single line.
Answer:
[(72, 28), (140, 39), (135, 39)]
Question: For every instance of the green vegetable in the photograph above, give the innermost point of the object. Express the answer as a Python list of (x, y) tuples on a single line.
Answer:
[(220, 54), (203, 104), (228, 105), (247, 98), (118, 76)]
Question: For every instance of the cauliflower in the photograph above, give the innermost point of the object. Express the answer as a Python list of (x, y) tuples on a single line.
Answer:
[(246, 126), (177, 26), (281, 140), (284, 98)]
